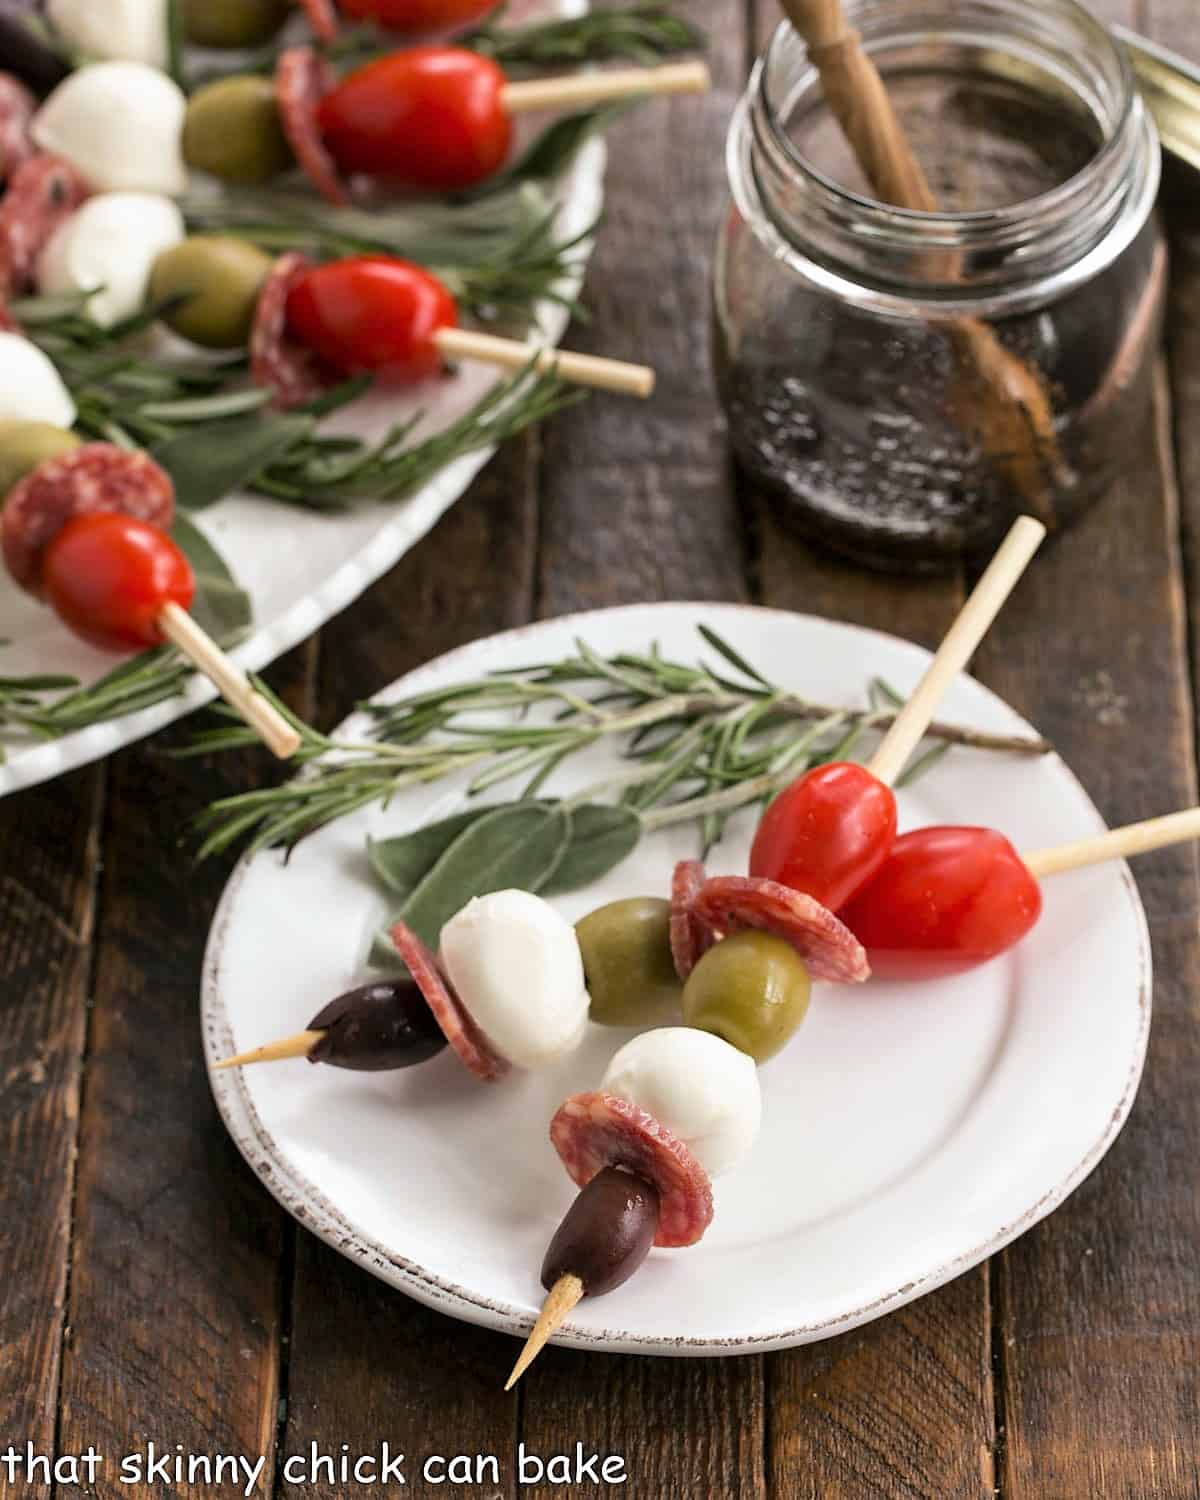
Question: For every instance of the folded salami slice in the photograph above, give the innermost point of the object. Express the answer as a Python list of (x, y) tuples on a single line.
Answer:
[(96, 477), (473, 1048), (322, 17), (302, 79), (42, 194), (690, 937), (17, 109), (279, 363), (593, 1131), (831, 951)]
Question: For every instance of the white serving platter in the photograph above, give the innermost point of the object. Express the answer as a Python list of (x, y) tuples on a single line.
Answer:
[(299, 567), (909, 1130)]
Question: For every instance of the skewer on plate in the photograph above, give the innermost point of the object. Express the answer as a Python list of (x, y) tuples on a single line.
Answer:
[(656, 1112)]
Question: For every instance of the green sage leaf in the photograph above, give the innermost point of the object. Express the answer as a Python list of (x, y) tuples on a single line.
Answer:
[(519, 846), (210, 460), (401, 863), (220, 606), (601, 837)]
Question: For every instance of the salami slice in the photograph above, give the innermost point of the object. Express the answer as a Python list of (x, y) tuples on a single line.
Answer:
[(42, 194), (302, 79), (690, 937), (594, 1131), (828, 947), (17, 109), (322, 17), (473, 1048), (96, 477), (279, 363)]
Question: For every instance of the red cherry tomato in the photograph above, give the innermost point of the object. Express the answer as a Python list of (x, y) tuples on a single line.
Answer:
[(372, 313), (827, 833), (108, 576), (429, 117), (419, 17), (946, 899)]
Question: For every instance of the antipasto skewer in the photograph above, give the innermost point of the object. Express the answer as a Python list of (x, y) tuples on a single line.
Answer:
[(435, 119)]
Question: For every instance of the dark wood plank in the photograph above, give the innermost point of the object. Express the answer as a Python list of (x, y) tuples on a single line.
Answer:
[(639, 504), (50, 838), (175, 1284), (1099, 1305), (366, 1362)]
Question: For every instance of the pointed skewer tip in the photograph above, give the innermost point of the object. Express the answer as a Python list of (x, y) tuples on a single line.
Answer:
[(562, 1297), (291, 1046)]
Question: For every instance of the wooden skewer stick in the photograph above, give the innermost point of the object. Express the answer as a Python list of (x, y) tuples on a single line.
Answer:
[(579, 90), (230, 681), (1001, 399), (1117, 843), (578, 369), (563, 1296), (956, 650), (289, 1046)]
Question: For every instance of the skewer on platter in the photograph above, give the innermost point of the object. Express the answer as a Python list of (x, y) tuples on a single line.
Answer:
[(86, 531)]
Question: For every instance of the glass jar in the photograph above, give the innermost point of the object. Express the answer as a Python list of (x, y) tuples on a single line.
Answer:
[(881, 368)]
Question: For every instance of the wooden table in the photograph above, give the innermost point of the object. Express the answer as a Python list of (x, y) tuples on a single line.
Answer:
[(152, 1289)]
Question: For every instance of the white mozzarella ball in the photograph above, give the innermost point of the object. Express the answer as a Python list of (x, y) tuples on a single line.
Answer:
[(112, 243), (516, 966), (120, 124), (703, 1090), (31, 389), (133, 30)]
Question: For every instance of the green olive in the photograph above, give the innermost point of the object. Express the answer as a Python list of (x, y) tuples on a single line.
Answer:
[(751, 989), (24, 445), (217, 281), (233, 130), (627, 961), (233, 23)]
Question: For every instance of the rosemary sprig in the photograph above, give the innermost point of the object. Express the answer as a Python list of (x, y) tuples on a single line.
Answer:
[(696, 744), (500, 255), (639, 34), (188, 416)]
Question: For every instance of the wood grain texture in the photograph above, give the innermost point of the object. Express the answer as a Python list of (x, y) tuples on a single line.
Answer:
[(367, 1363), (49, 860), (639, 504), (175, 1288), (1100, 1305)]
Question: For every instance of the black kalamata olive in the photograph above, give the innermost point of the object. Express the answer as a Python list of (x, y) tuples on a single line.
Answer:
[(377, 1028), (607, 1233), (24, 54)]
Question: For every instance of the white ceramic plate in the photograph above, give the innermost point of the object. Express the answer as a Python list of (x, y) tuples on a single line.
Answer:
[(299, 567), (909, 1131)]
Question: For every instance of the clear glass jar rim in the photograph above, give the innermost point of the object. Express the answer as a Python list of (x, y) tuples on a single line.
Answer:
[(934, 229)]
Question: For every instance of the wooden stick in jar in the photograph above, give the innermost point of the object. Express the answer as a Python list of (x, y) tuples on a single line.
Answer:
[(1002, 400), (582, 90), (230, 681), (974, 619), (1117, 843)]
